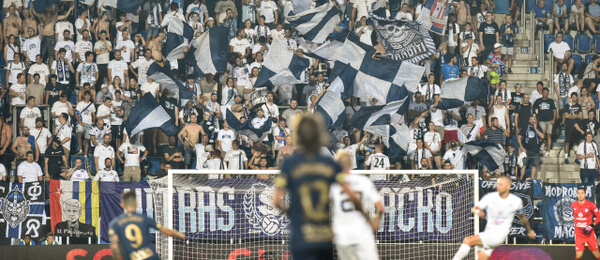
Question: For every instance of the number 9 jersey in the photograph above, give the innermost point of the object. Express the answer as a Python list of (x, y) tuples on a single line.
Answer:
[(133, 230)]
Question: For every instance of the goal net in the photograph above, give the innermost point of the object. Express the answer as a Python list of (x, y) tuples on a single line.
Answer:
[(234, 218)]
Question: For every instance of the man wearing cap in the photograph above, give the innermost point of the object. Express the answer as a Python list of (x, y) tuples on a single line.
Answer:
[(494, 60), (561, 52), (469, 49), (60, 107), (56, 159), (455, 156)]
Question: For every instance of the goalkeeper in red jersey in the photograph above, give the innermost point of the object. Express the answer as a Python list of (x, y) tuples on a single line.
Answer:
[(583, 211)]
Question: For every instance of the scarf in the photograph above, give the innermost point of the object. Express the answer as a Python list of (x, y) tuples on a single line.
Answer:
[(416, 158), (564, 80), (537, 139), (62, 72), (504, 95), (282, 134)]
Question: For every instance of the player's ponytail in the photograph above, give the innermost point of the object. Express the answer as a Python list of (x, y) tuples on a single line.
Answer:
[(310, 133)]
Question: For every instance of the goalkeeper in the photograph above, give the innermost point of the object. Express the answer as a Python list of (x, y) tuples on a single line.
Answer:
[(583, 211)]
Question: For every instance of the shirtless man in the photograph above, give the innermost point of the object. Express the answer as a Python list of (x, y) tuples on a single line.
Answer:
[(190, 136), (12, 23), (286, 151), (48, 19), (462, 14), (21, 146), (5, 137), (156, 46), (29, 22), (101, 24)]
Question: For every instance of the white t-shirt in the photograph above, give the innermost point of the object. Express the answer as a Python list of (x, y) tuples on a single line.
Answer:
[(456, 158), (88, 73), (559, 49), (69, 46), (126, 53), (41, 138), (64, 131), (41, 69), (20, 88), (201, 156), (15, 69), (2, 170), (432, 139), (500, 212), (98, 134), (142, 66), (103, 58), (587, 163), (268, 10), (82, 47), (29, 171), (80, 175), (235, 159), (103, 110), (86, 116), (420, 154), (104, 175), (118, 69), (150, 88), (58, 108), (132, 153), (270, 110), (226, 137), (32, 47), (378, 161), (345, 215), (239, 45), (80, 24), (60, 27), (29, 116), (352, 152), (103, 152)]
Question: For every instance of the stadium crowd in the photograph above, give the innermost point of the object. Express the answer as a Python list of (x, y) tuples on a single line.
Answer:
[(73, 75)]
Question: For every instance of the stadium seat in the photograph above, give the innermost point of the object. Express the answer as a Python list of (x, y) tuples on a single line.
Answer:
[(578, 61), (589, 58), (89, 161), (583, 43), (597, 43), (568, 39), (154, 166), (548, 38)]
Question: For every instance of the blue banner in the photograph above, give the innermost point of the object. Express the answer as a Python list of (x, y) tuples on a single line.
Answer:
[(521, 189), (22, 209), (110, 202), (557, 211), (242, 209)]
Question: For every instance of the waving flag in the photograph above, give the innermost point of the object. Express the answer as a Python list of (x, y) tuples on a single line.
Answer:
[(378, 115), (164, 76), (490, 154), (404, 40), (75, 208), (179, 37), (396, 137), (41, 5), (435, 15), (128, 6), (22, 211), (357, 73), (457, 92), (148, 114), (317, 23), (246, 128), (208, 53), (332, 108), (281, 66)]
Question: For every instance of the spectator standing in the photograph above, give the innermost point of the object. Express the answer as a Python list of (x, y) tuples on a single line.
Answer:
[(85, 116), (63, 132), (418, 154), (107, 173), (476, 69), (30, 114), (174, 154), (489, 35), (469, 49), (31, 46), (495, 133), (563, 81), (36, 90), (546, 111), (17, 91), (587, 154), (561, 52), (449, 70), (62, 106), (429, 89), (67, 44), (572, 113), (268, 9), (508, 31), (522, 114), (14, 68), (142, 64), (236, 158), (433, 143), (131, 154), (530, 139), (221, 10), (496, 67), (103, 151), (42, 136), (41, 69), (127, 48), (29, 170), (55, 159), (578, 16), (117, 67), (225, 137), (83, 46), (102, 48), (189, 136), (87, 71)]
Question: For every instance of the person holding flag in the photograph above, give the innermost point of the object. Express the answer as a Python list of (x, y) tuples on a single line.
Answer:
[(583, 212)]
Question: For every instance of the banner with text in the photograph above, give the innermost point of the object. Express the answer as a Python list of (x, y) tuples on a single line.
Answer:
[(74, 208), (110, 199), (557, 211), (521, 189), (435, 15), (242, 209), (404, 40), (22, 209)]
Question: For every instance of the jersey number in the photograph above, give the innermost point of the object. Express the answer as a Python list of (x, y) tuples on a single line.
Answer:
[(134, 235), (347, 204), (315, 211), (379, 162)]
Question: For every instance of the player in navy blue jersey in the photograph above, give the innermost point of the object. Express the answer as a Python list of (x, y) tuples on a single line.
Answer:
[(307, 176), (130, 232)]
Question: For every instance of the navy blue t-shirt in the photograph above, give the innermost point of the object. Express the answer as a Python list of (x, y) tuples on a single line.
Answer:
[(133, 230), (307, 180)]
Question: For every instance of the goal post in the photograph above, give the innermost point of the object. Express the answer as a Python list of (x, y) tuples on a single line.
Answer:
[(424, 218)]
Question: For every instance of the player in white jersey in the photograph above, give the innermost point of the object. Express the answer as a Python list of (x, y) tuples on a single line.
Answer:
[(378, 161), (352, 229), (500, 209)]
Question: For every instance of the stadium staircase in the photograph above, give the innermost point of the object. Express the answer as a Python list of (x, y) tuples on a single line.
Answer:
[(528, 69)]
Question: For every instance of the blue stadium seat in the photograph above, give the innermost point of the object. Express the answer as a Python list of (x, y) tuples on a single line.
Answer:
[(548, 38), (154, 166), (577, 60), (568, 39), (597, 43), (583, 43), (89, 161), (589, 58)]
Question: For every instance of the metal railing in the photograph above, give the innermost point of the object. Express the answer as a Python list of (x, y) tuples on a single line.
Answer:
[(542, 55), (531, 30), (523, 16)]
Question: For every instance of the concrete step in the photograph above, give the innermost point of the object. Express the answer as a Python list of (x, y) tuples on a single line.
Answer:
[(524, 56), (523, 76), (526, 63)]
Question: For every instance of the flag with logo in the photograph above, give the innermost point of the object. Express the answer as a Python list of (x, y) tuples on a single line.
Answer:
[(75, 208), (435, 15), (22, 209)]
